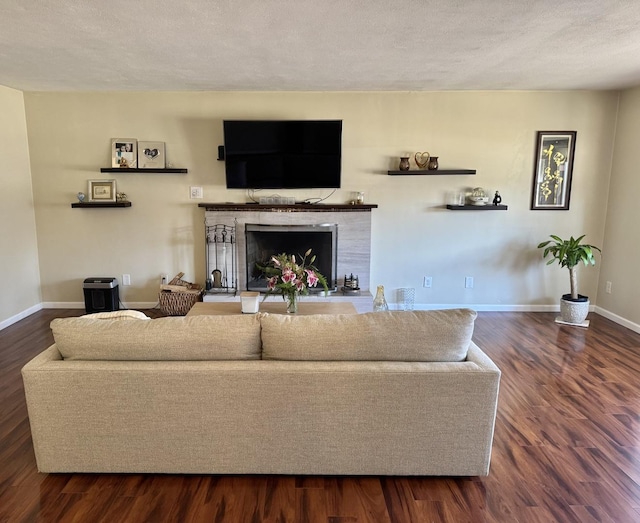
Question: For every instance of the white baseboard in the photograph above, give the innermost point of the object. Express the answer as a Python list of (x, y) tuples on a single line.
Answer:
[(20, 316), (618, 319), (482, 307), (63, 305)]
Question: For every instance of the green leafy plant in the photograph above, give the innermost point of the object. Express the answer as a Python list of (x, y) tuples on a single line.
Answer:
[(569, 253)]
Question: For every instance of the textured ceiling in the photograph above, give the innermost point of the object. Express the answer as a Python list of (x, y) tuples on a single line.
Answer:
[(316, 45)]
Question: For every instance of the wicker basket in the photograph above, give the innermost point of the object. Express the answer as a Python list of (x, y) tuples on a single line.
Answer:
[(178, 303)]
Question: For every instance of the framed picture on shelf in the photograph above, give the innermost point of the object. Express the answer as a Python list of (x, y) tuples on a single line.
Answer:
[(102, 190), (124, 153), (151, 155), (553, 170)]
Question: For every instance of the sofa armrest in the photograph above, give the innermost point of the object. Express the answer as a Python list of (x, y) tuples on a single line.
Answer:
[(50, 354), (477, 356)]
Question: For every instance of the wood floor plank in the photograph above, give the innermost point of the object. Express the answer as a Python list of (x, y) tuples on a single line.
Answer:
[(279, 499), (357, 499), (311, 506), (566, 447), (592, 514)]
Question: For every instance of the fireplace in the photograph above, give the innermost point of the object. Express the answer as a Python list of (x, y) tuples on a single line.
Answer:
[(351, 248), (263, 241)]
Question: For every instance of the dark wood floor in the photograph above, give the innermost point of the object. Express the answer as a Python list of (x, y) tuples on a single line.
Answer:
[(566, 447)]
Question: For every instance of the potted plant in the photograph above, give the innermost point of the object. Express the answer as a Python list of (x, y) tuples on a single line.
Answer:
[(569, 253)]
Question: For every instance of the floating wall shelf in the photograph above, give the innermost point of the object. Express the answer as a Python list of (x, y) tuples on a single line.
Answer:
[(123, 170), (94, 205), (477, 207), (432, 173), (298, 207)]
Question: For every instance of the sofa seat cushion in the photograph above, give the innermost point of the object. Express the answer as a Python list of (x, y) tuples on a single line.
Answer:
[(428, 336), (234, 337)]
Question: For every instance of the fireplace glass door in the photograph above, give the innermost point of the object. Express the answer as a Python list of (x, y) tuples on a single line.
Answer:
[(264, 241)]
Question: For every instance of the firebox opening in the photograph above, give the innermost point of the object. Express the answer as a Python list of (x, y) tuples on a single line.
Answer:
[(263, 241)]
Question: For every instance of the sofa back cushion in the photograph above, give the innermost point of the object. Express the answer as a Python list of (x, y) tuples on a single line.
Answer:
[(234, 337), (442, 335)]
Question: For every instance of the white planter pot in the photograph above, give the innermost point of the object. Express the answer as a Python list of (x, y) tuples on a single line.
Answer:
[(574, 311)]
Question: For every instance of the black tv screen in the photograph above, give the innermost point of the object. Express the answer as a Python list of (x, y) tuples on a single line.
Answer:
[(282, 154)]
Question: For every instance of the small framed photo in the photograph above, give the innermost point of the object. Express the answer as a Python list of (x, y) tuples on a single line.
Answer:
[(151, 155), (124, 153), (553, 170), (102, 190)]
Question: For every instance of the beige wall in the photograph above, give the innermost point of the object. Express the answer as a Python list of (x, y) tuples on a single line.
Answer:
[(622, 242), (18, 248), (413, 236)]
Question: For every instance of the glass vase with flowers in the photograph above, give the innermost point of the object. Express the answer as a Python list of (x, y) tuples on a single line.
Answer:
[(292, 277)]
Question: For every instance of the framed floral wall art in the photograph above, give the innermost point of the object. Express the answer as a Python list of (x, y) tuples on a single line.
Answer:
[(553, 170)]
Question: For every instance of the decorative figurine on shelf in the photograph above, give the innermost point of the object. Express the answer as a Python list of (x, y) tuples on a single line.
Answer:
[(121, 197), (433, 163), (497, 198), (479, 196), (351, 285), (422, 159), (80, 197), (404, 163)]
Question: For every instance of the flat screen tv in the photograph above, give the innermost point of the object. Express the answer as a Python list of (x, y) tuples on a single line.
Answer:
[(282, 154)]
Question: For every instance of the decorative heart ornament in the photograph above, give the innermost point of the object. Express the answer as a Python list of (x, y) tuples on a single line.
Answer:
[(152, 153), (422, 159)]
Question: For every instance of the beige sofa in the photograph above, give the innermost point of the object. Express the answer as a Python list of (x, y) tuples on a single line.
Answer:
[(394, 393)]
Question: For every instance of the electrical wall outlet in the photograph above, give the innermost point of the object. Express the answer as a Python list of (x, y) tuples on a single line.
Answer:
[(468, 282), (126, 279), (196, 193), (164, 279), (427, 282), (607, 287)]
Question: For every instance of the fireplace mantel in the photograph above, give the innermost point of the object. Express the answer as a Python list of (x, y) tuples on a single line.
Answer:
[(298, 207)]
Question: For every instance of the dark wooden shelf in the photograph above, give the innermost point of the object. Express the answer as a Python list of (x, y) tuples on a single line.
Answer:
[(298, 207), (432, 173), (94, 205), (477, 207), (167, 170)]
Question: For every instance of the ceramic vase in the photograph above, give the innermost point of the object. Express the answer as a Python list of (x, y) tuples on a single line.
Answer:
[(433, 163)]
